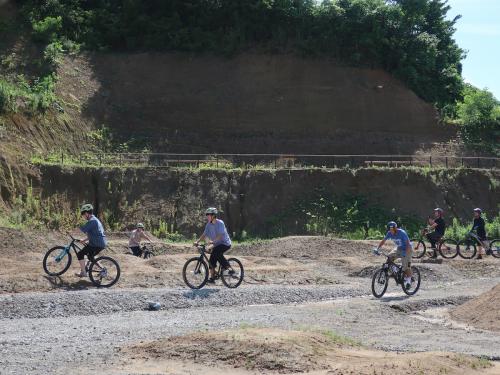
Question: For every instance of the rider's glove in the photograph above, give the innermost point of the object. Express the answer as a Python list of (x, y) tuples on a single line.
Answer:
[(376, 251)]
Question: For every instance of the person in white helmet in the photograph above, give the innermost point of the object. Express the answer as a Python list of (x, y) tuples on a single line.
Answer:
[(219, 242), (136, 236)]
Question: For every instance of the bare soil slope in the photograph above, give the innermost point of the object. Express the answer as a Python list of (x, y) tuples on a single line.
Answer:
[(482, 311), (250, 103), (266, 350)]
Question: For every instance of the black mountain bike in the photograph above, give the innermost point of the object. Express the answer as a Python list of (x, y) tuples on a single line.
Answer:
[(195, 271), (147, 251), (447, 247), (380, 279), (103, 271), (468, 248)]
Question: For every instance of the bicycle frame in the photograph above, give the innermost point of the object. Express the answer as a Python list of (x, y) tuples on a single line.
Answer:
[(474, 236), (203, 256)]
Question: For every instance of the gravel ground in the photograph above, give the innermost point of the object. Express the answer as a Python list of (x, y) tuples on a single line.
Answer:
[(57, 333)]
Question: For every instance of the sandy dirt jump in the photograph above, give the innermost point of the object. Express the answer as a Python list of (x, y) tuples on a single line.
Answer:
[(305, 306)]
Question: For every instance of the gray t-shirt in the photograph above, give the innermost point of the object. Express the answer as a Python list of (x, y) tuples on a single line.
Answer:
[(213, 230)]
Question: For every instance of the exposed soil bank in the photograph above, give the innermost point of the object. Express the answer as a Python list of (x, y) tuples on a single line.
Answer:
[(249, 199)]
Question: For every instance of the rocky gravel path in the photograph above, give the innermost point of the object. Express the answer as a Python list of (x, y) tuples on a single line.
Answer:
[(75, 332)]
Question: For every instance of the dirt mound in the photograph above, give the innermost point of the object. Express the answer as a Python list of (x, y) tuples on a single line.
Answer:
[(482, 311), (273, 350)]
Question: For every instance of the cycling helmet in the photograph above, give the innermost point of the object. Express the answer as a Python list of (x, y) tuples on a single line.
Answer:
[(86, 208), (391, 224), (211, 211), (440, 210), (140, 225), (478, 210)]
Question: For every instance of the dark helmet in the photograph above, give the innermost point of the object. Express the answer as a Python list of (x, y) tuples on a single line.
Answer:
[(391, 224)]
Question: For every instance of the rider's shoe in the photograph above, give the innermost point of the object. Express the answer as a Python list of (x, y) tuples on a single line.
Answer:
[(80, 274), (407, 282), (211, 281), (489, 252), (479, 257)]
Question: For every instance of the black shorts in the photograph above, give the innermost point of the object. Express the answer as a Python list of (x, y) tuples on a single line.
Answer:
[(89, 251), (136, 250)]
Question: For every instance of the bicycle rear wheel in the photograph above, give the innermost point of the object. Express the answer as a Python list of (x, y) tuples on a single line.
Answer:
[(448, 248), (195, 273), (495, 248), (467, 249), (104, 272), (418, 248), (56, 261), (415, 282), (380, 281), (233, 276)]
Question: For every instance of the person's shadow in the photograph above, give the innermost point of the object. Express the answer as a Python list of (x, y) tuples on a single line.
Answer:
[(394, 298), (60, 283)]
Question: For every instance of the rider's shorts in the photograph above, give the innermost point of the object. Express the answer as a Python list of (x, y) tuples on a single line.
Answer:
[(406, 260), (89, 251)]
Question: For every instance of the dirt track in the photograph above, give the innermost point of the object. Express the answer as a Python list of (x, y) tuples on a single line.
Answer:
[(75, 328)]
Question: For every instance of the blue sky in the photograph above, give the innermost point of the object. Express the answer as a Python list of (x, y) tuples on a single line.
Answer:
[(478, 32)]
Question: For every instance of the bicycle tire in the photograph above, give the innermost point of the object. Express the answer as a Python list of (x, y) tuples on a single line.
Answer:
[(419, 248), (200, 263), (237, 277), (495, 248), (97, 272), (54, 252), (382, 277), (416, 279), (467, 249), (450, 250)]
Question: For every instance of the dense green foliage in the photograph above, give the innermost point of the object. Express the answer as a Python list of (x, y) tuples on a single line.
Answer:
[(321, 213), (478, 116), (410, 38)]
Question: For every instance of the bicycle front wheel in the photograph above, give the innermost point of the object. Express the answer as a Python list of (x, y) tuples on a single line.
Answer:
[(104, 272), (415, 282), (495, 248), (380, 281), (448, 248), (233, 276), (467, 249), (195, 273), (56, 261), (418, 248)]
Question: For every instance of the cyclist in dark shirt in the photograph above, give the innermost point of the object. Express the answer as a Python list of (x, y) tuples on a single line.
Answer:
[(439, 227), (479, 226)]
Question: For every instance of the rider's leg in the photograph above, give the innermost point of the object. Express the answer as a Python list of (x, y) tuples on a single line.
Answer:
[(220, 250), (81, 260), (212, 262)]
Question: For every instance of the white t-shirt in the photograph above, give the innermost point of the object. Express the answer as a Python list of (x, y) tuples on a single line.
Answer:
[(135, 238)]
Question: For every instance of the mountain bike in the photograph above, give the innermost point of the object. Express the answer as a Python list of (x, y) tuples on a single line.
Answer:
[(467, 248), (380, 279), (447, 247), (195, 271), (103, 271), (147, 250)]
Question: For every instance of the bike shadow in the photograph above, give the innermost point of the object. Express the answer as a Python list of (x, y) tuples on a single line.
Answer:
[(60, 283), (200, 293), (394, 298)]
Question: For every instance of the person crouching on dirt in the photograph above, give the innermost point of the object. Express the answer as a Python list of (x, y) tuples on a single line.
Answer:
[(136, 236), (479, 226), (404, 249), (95, 241), (219, 241), (439, 226)]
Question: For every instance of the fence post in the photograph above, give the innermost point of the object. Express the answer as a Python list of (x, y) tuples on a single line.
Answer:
[(275, 163), (100, 159), (334, 162), (462, 162), (478, 162), (446, 161), (430, 161), (62, 157), (216, 161)]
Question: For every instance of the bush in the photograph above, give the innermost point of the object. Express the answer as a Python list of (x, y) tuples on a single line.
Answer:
[(47, 29)]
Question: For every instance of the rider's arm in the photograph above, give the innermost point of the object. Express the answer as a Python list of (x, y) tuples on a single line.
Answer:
[(202, 237), (381, 244), (145, 236)]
